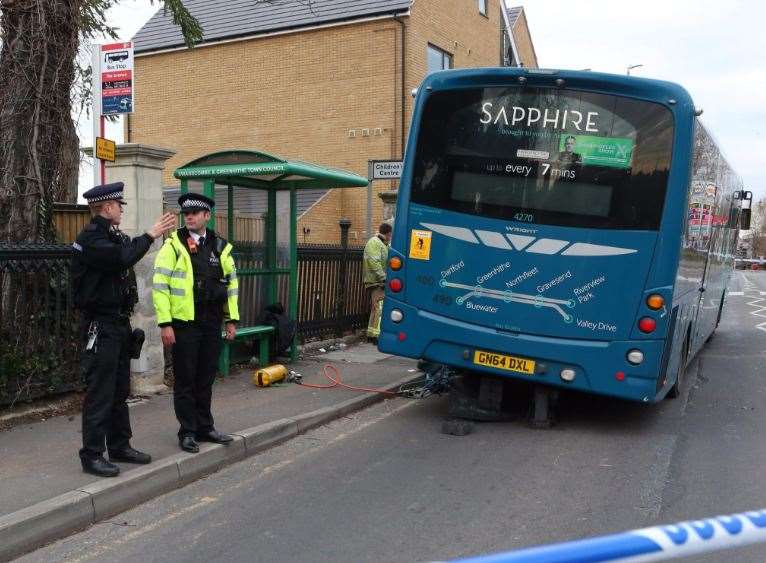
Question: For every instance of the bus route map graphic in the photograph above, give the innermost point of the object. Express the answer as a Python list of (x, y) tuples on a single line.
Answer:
[(512, 297)]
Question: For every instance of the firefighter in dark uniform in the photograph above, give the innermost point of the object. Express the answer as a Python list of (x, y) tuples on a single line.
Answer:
[(105, 293), (195, 293)]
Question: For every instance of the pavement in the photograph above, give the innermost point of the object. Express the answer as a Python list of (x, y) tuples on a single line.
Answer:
[(45, 495)]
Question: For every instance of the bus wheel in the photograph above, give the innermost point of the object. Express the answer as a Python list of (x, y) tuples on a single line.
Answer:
[(675, 391)]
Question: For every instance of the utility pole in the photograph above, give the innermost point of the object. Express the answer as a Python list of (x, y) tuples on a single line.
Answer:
[(632, 67)]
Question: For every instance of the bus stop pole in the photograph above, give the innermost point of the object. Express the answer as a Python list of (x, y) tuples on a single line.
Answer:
[(96, 110), (370, 164), (293, 307)]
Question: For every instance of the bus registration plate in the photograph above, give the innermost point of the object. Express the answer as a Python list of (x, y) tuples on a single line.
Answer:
[(500, 361)]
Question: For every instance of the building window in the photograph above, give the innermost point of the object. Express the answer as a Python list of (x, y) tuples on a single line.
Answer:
[(483, 7), (438, 59)]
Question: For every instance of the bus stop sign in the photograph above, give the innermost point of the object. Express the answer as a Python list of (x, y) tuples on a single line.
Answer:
[(116, 78)]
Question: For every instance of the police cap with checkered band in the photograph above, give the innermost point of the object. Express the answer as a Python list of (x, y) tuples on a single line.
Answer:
[(195, 202), (105, 192)]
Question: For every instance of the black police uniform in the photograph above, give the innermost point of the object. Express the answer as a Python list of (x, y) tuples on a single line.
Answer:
[(105, 293), (198, 342)]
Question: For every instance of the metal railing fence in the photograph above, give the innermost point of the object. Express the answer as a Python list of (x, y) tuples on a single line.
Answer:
[(39, 328)]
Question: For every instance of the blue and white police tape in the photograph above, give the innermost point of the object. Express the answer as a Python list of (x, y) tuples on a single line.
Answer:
[(647, 544)]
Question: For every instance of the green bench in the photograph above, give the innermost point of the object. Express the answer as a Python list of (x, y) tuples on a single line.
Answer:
[(261, 333)]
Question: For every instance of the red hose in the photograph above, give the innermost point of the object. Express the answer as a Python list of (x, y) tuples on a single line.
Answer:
[(336, 382)]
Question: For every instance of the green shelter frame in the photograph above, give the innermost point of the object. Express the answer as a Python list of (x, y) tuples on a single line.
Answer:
[(261, 171)]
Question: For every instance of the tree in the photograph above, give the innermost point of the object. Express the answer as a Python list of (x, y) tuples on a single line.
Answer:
[(39, 45), (42, 74)]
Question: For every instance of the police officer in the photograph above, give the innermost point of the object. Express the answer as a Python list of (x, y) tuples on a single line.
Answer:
[(195, 291), (105, 293)]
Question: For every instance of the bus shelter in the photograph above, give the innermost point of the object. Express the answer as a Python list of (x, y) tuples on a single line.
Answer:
[(274, 258)]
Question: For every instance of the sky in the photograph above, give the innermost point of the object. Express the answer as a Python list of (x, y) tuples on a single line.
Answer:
[(716, 50)]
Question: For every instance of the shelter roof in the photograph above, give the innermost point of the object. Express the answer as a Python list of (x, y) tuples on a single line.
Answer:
[(259, 170)]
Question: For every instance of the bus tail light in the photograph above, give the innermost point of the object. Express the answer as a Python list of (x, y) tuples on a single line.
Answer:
[(647, 325), (635, 357), (396, 315), (401, 336), (655, 302), (620, 376), (395, 285), (395, 263)]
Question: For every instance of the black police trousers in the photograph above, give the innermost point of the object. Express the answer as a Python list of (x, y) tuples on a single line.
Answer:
[(106, 371), (195, 362)]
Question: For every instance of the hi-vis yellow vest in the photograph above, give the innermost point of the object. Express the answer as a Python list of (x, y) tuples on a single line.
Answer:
[(173, 283)]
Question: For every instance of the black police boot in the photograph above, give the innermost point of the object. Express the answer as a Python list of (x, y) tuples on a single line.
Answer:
[(129, 455), (189, 444), (215, 437), (99, 466)]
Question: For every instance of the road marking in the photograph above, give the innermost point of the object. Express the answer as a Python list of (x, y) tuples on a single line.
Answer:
[(759, 312), (737, 293)]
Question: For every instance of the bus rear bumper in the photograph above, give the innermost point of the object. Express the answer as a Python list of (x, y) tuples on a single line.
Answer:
[(599, 366)]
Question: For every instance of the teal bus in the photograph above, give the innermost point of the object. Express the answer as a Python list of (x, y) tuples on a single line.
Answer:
[(571, 229)]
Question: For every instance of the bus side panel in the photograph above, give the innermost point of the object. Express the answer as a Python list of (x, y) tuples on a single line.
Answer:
[(710, 235), (671, 261)]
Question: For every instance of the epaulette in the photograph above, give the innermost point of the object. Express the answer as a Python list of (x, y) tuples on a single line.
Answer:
[(90, 227)]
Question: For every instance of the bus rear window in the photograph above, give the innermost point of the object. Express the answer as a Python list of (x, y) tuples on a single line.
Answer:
[(552, 157)]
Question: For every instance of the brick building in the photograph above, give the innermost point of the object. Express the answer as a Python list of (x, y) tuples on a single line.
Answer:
[(326, 81)]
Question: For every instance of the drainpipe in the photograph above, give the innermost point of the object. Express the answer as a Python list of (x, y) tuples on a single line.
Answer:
[(404, 87), (511, 39)]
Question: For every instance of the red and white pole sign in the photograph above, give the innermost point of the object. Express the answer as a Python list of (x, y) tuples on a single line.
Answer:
[(112, 90)]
